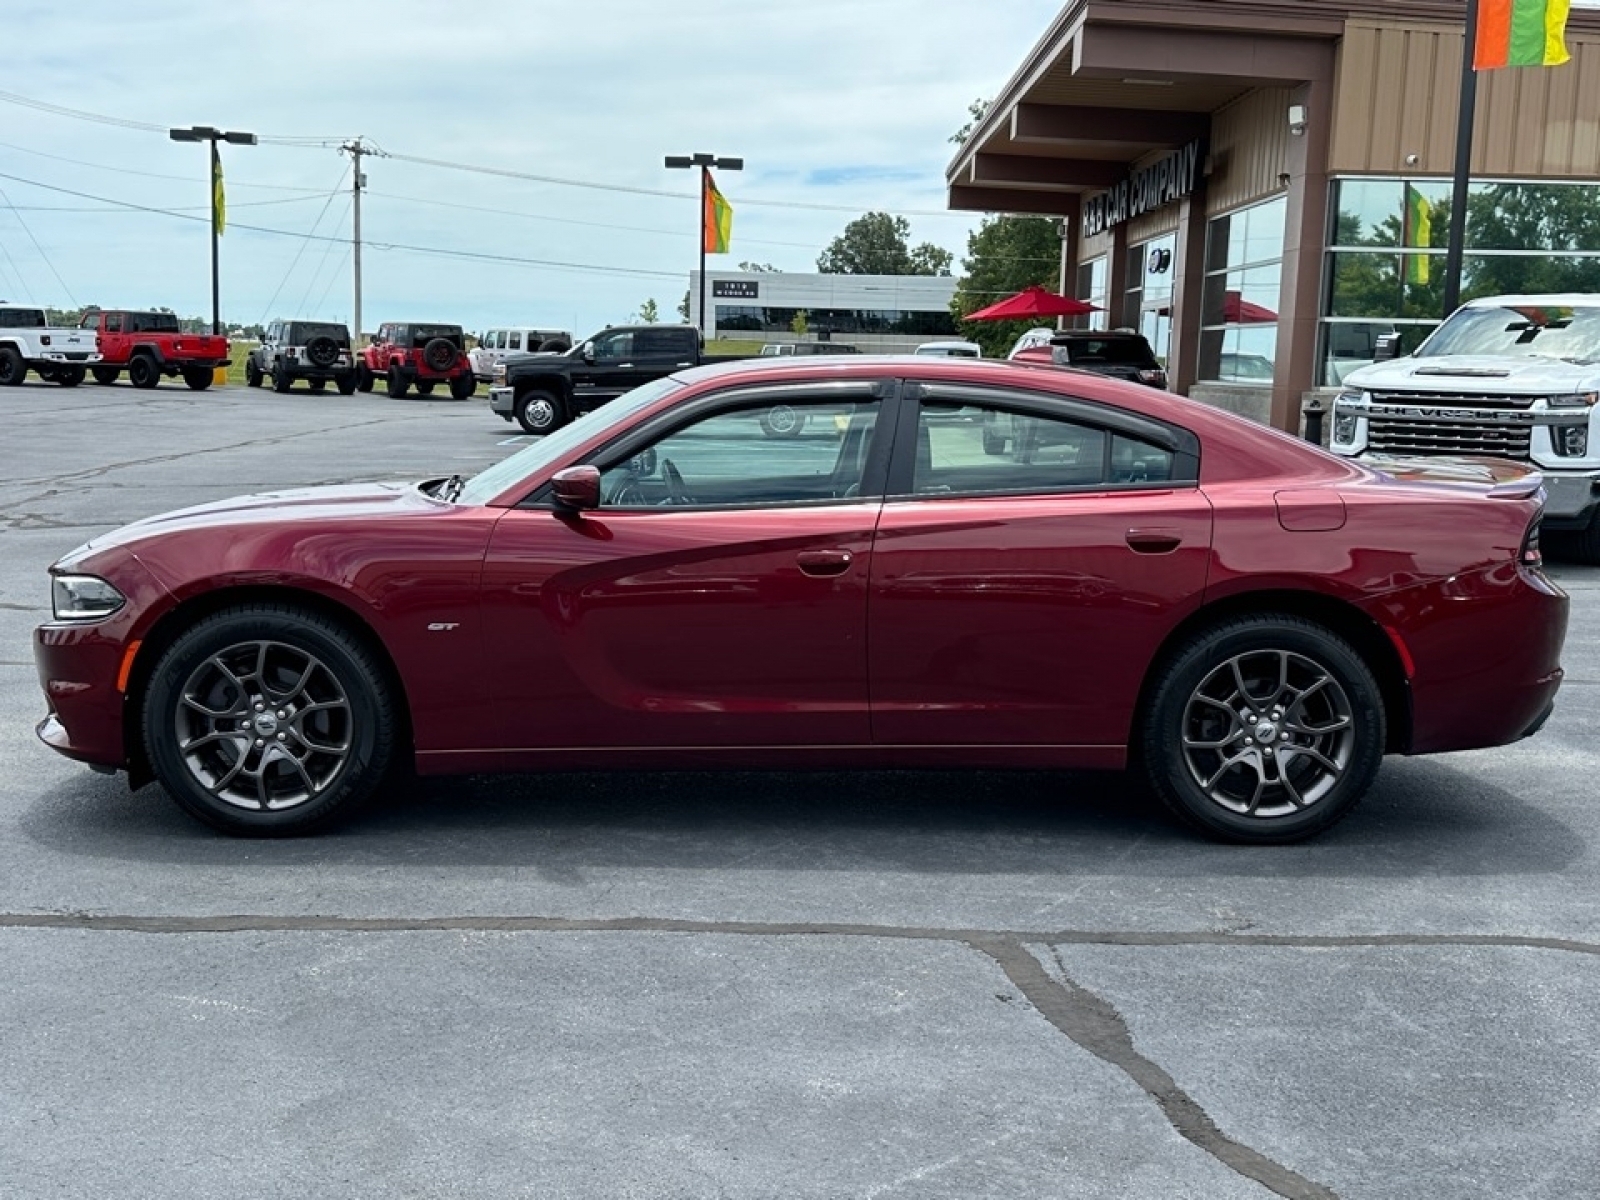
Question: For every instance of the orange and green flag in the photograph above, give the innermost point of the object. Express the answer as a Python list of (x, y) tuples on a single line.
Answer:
[(1416, 229), (1521, 33), (219, 203), (716, 221)]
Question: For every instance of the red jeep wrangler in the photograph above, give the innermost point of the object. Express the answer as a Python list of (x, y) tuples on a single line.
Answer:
[(150, 345), (407, 353)]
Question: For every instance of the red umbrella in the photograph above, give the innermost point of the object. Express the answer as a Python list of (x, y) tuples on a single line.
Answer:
[(1032, 301), (1236, 310)]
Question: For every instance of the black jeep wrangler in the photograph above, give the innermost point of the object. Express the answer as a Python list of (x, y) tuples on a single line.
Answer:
[(316, 351)]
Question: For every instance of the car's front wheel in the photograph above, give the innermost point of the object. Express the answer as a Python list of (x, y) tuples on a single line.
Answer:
[(266, 721), (540, 413), (252, 372), (1264, 729)]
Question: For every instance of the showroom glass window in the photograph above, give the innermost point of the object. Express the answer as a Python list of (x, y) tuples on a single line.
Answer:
[(1148, 307), (1239, 301), (735, 318), (1386, 256), (1092, 288)]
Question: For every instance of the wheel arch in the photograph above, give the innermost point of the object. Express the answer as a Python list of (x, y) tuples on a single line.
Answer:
[(181, 616), (1364, 634)]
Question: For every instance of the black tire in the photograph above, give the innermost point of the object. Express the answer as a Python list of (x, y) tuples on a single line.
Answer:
[(252, 371), (324, 701), (424, 387), (282, 381), (143, 372), (397, 383), (364, 379), (70, 376), (316, 385), (322, 351), (1199, 721), (198, 379), (782, 421), (105, 375), (556, 345), (1585, 543), (540, 412), (347, 384), (13, 370), (439, 354), (462, 387)]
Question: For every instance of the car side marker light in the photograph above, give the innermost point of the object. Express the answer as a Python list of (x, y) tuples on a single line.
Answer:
[(127, 666)]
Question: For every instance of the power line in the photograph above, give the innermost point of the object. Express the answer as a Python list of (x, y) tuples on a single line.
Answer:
[(29, 231), (327, 249), (302, 248), (78, 114), (79, 162)]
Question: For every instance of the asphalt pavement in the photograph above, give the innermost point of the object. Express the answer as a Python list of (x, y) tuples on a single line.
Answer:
[(750, 985)]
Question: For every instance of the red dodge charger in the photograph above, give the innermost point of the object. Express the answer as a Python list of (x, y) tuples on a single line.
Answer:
[(941, 562)]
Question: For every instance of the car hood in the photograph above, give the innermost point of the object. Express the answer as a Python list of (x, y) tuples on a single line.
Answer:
[(340, 502), (1477, 374)]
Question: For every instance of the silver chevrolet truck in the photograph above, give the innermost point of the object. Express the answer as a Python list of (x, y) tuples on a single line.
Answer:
[(1515, 377)]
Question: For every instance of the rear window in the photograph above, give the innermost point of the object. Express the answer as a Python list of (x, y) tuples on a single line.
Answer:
[(1133, 352), (302, 332), (149, 322), (426, 333), (22, 318)]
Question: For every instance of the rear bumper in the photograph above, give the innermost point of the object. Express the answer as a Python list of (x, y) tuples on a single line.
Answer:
[(70, 358), (1486, 655)]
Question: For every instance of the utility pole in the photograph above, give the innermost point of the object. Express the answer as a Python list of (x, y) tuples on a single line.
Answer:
[(355, 149)]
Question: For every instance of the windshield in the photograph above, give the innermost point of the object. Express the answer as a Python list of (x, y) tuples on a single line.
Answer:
[(486, 485), (1551, 331), (1129, 351)]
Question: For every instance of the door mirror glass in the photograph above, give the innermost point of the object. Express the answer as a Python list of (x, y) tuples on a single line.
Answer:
[(1386, 346), (577, 487)]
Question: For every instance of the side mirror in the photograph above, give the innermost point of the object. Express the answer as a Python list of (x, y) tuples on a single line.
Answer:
[(577, 488), (588, 352), (1386, 346)]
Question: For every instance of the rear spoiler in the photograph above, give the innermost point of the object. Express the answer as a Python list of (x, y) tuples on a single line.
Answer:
[(1523, 487)]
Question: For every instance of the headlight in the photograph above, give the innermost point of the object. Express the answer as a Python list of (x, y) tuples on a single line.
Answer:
[(83, 598), (1575, 400)]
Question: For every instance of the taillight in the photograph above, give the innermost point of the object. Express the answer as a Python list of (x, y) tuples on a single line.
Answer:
[(1531, 555)]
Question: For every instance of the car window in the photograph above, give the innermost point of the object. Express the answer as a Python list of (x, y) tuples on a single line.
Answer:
[(114, 323), (514, 340), (1134, 352), (659, 342), (756, 454), (614, 345), (977, 449)]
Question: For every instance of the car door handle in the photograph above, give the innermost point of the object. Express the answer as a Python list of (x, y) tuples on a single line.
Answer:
[(824, 562), (1154, 541)]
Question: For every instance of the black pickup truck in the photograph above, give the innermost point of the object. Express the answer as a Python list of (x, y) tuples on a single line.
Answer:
[(542, 392)]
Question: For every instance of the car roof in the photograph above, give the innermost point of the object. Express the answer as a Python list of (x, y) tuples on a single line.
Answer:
[(1548, 300)]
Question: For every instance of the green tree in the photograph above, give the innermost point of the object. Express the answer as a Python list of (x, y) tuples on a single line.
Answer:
[(757, 268), (1555, 220), (801, 323), (975, 113), (1004, 255), (647, 314), (683, 305), (876, 244)]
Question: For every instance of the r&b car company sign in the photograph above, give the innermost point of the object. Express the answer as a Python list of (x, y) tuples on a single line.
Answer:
[(1173, 178)]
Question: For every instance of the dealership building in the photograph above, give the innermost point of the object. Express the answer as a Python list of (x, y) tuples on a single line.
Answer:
[(875, 313), (1262, 187)]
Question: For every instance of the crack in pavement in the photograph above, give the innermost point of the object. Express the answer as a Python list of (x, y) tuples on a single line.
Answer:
[(1091, 1022)]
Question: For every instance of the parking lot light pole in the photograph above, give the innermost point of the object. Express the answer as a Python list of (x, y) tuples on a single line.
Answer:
[(705, 162), (205, 133)]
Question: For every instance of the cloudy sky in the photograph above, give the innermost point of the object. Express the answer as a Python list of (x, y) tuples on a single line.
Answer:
[(837, 106)]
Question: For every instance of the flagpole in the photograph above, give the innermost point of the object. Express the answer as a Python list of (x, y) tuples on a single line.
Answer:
[(216, 290), (705, 179), (1458, 201)]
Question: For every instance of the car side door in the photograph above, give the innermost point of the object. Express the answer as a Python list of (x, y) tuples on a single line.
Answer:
[(113, 338), (716, 598), (1023, 581)]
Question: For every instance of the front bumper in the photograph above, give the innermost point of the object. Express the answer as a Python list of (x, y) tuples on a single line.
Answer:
[(503, 400), (1570, 500)]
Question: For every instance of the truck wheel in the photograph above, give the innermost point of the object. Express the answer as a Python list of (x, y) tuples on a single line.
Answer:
[(439, 354), (398, 386), (323, 351), (555, 345), (198, 378), (364, 378), (782, 421), (541, 412), (71, 376), (143, 372), (462, 386), (12, 368), (424, 387), (347, 382), (252, 372), (282, 381), (316, 385), (106, 375), (1586, 543)]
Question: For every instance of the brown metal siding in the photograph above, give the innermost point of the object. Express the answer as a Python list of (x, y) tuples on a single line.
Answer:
[(1397, 93), (1249, 149)]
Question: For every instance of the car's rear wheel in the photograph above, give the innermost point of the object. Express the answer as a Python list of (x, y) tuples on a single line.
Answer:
[(397, 384), (282, 381), (70, 376), (364, 379), (540, 412), (316, 385), (424, 387), (1265, 729), (1586, 542), (252, 372), (143, 372), (198, 378), (347, 384), (106, 375), (462, 387), (265, 721)]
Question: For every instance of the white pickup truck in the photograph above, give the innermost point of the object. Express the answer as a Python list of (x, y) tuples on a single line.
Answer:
[(1514, 377), (28, 341)]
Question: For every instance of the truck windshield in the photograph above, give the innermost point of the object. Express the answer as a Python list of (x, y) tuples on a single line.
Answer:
[(1554, 331)]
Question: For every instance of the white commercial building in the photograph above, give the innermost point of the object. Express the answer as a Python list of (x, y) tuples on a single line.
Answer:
[(874, 313)]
